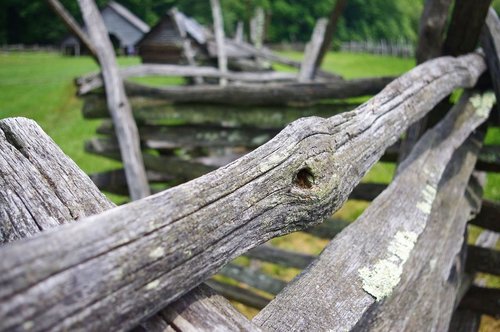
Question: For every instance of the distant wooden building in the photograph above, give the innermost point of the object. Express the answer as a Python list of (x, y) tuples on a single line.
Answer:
[(164, 43), (125, 30)]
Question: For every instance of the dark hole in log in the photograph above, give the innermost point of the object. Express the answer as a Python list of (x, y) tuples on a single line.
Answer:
[(304, 178)]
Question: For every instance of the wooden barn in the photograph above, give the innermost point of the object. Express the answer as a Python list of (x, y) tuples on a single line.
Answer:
[(125, 30), (165, 42), (124, 25)]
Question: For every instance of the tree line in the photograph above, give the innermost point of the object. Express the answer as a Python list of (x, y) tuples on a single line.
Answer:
[(32, 22)]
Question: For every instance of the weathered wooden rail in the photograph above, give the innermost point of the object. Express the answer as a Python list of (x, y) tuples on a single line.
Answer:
[(133, 260)]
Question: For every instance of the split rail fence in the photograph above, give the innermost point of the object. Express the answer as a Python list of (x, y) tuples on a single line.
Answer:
[(71, 260)]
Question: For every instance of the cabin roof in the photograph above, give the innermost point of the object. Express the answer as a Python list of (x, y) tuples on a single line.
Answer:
[(194, 29), (129, 16)]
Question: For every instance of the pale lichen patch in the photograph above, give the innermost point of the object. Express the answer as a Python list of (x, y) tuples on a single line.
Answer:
[(157, 252), (483, 103), (428, 196), (28, 325), (402, 244), (152, 284), (380, 279)]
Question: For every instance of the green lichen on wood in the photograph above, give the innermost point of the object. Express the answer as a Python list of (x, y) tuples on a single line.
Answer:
[(483, 103), (428, 195), (380, 279)]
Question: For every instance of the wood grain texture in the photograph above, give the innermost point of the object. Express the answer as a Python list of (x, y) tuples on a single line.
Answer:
[(189, 314), (371, 253), (43, 195), (118, 105), (133, 260), (52, 190), (432, 278)]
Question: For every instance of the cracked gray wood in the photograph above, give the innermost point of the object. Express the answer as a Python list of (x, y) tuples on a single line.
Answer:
[(118, 105), (43, 188), (372, 252), (434, 269), (36, 194), (204, 310), (133, 260)]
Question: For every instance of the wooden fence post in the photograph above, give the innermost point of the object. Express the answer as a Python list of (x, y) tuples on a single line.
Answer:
[(430, 44), (118, 105), (73, 26), (312, 51), (330, 31), (219, 38)]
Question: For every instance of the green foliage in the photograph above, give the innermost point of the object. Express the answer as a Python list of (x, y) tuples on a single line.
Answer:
[(29, 22), (380, 19)]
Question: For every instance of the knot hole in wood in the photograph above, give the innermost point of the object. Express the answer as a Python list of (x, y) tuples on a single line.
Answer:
[(304, 178)]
